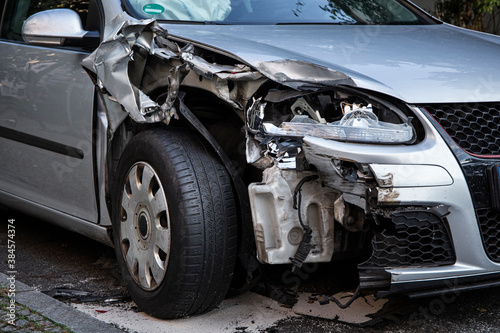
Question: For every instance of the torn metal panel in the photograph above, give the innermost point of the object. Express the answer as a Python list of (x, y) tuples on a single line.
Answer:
[(120, 61), (222, 74), (208, 70), (225, 94), (388, 196), (114, 114), (303, 75), (175, 78), (323, 160), (110, 63), (120, 64)]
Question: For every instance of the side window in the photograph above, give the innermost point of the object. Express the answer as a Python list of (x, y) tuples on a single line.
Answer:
[(17, 12)]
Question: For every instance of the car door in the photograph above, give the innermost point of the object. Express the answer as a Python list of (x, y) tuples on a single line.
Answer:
[(46, 117)]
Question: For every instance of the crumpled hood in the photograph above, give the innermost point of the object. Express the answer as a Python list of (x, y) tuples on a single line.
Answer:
[(418, 64)]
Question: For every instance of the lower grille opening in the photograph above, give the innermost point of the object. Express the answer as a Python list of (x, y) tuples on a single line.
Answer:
[(489, 224), (407, 239), (417, 238)]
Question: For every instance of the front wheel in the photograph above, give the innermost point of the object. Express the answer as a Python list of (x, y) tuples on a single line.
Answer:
[(174, 224)]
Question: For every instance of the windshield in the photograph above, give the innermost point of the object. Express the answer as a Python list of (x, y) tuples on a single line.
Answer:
[(278, 11)]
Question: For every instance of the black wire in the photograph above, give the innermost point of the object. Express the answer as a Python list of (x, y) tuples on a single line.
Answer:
[(349, 302), (306, 228), (297, 198)]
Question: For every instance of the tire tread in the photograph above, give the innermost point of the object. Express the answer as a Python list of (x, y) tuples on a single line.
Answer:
[(208, 210)]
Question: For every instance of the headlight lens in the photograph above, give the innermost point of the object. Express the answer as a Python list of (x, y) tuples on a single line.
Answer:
[(359, 125)]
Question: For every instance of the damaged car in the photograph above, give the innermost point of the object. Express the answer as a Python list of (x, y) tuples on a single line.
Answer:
[(207, 139)]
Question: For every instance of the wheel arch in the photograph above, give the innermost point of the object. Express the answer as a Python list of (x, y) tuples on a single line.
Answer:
[(221, 128), (197, 124), (198, 121)]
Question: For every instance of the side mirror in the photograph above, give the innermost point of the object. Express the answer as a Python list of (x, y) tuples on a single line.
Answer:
[(58, 27)]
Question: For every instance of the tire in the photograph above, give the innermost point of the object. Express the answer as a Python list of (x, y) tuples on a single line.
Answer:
[(174, 224)]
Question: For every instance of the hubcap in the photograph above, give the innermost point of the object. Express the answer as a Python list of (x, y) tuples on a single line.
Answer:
[(145, 226)]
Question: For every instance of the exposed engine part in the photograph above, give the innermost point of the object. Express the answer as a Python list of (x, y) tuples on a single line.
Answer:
[(255, 114), (301, 106), (254, 155), (276, 223), (264, 151), (283, 151), (352, 218)]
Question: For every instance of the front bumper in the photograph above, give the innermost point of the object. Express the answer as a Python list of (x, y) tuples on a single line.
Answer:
[(422, 176)]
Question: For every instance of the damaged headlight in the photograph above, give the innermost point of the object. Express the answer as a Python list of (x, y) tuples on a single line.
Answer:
[(331, 115), (360, 125)]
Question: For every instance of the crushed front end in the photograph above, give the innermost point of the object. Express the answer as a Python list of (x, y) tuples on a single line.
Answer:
[(348, 173), (333, 171)]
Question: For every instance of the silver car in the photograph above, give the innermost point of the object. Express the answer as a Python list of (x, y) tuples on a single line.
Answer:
[(204, 139)]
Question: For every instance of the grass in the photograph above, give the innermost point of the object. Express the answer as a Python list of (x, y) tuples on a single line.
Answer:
[(32, 325)]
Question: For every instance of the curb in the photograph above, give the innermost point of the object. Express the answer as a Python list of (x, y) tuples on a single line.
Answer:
[(57, 311)]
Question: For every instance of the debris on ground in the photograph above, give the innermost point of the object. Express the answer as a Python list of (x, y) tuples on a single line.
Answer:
[(361, 312)]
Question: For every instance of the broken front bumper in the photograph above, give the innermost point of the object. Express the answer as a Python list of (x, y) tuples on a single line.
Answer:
[(427, 233)]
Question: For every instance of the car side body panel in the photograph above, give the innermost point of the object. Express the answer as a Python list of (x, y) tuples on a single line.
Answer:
[(46, 121)]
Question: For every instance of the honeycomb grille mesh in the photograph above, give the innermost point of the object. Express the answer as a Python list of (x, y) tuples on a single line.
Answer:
[(474, 127), (417, 238), (489, 223)]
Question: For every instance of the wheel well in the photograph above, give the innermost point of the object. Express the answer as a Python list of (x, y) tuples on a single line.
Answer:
[(223, 123)]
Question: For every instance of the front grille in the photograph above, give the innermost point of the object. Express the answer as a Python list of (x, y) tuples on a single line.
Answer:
[(489, 223), (474, 127), (417, 238)]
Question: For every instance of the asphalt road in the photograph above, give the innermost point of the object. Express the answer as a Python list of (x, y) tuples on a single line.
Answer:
[(84, 273)]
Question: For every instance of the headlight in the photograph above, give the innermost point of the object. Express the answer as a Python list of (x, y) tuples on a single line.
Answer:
[(359, 124), (277, 123)]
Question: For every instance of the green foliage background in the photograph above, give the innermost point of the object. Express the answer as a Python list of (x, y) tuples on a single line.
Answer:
[(481, 15)]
